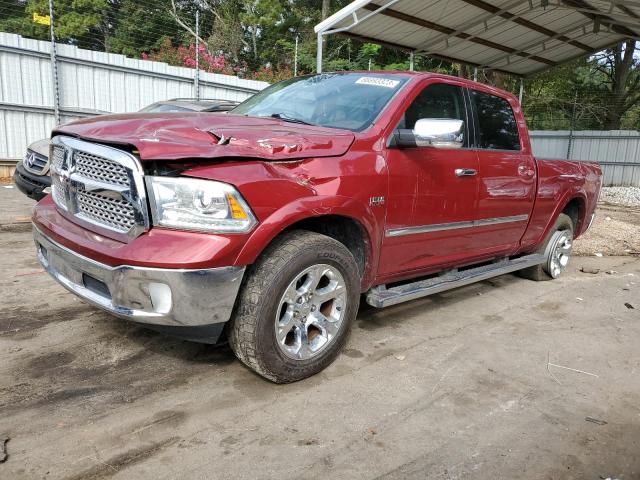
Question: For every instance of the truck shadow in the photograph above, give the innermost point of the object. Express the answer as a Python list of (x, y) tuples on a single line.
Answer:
[(370, 318)]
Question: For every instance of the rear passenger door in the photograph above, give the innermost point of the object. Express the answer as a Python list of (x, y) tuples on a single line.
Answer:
[(507, 174)]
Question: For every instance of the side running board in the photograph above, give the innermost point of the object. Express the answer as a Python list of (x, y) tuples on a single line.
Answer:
[(381, 296)]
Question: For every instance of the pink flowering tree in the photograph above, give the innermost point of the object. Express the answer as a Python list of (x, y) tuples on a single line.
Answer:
[(184, 56)]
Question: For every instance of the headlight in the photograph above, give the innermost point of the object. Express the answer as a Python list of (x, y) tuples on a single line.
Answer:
[(193, 204)]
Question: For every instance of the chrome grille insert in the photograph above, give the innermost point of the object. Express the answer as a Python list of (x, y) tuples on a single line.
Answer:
[(59, 192), (115, 213), (99, 187), (57, 156), (101, 169)]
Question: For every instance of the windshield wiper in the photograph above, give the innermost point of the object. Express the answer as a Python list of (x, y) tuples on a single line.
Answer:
[(287, 118)]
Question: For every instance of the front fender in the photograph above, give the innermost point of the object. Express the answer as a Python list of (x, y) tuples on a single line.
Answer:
[(311, 207)]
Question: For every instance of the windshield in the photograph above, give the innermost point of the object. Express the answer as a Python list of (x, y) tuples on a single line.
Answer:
[(341, 100)]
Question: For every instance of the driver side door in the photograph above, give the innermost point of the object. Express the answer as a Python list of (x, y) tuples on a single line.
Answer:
[(433, 192)]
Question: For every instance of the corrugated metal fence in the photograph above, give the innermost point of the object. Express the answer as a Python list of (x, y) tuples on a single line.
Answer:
[(617, 151), (89, 82)]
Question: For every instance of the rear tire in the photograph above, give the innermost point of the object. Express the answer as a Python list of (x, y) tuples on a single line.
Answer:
[(296, 307), (559, 237)]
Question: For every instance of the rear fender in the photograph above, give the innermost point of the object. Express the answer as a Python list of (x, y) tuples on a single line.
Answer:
[(568, 196)]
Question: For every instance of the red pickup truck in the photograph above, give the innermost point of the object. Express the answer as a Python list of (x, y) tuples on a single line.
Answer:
[(267, 224)]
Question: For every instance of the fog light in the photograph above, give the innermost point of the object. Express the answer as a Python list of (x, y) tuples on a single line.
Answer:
[(44, 255), (160, 297)]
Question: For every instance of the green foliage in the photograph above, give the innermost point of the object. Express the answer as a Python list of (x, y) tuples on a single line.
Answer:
[(143, 28)]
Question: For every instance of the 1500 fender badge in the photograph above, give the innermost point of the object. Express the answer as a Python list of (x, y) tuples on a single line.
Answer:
[(376, 201)]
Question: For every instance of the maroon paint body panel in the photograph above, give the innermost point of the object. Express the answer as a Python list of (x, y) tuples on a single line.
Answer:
[(171, 136), (288, 173)]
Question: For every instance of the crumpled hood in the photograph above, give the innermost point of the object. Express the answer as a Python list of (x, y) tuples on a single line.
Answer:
[(172, 136)]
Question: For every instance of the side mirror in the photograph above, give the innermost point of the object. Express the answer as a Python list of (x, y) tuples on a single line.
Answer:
[(431, 132)]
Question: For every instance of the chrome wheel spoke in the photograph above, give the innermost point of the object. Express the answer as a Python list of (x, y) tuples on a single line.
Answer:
[(328, 327), (330, 292), (284, 326), (313, 277)]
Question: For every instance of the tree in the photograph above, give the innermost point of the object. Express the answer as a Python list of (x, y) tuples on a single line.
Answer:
[(81, 22), (139, 28), (617, 72)]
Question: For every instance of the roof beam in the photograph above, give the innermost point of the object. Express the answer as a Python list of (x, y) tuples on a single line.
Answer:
[(526, 23), (588, 11), (443, 29), (628, 11), (498, 59), (470, 25), (398, 46)]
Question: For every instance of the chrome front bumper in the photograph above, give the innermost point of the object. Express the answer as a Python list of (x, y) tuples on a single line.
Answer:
[(156, 296)]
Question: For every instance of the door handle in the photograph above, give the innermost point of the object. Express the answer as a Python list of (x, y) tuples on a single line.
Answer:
[(525, 171), (466, 172)]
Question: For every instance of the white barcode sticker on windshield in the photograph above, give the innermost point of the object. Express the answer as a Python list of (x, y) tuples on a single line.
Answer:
[(378, 82)]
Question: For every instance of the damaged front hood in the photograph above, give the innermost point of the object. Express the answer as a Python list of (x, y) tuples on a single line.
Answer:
[(173, 136)]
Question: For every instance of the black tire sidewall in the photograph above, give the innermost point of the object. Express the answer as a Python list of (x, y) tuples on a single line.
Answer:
[(266, 344)]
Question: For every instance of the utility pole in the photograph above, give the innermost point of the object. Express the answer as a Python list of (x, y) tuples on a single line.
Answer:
[(319, 54), (54, 68), (573, 125), (295, 59), (196, 80), (520, 96), (326, 6)]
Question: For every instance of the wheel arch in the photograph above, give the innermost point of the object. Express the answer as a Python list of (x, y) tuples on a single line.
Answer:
[(573, 204), (340, 218), (575, 208)]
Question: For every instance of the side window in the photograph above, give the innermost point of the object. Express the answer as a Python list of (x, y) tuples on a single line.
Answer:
[(438, 100), (496, 123)]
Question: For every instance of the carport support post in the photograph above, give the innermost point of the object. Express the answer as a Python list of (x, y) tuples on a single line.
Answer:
[(319, 54), (54, 68), (412, 61)]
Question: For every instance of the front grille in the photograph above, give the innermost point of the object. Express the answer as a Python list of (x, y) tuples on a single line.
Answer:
[(57, 157), (101, 169), (58, 191), (114, 213), (35, 163), (100, 186)]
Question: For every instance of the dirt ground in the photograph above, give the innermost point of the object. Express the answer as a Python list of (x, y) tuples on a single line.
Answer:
[(506, 378)]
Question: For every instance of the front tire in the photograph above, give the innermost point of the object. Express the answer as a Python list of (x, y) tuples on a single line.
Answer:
[(296, 307), (556, 249)]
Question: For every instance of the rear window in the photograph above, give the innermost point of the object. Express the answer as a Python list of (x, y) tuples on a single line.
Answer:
[(497, 125)]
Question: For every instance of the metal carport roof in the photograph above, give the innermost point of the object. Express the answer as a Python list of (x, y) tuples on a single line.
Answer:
[(519, 37)]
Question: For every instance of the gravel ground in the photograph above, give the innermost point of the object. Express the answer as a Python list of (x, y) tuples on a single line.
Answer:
[(629, 196), (615, 231), (616, 228)]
